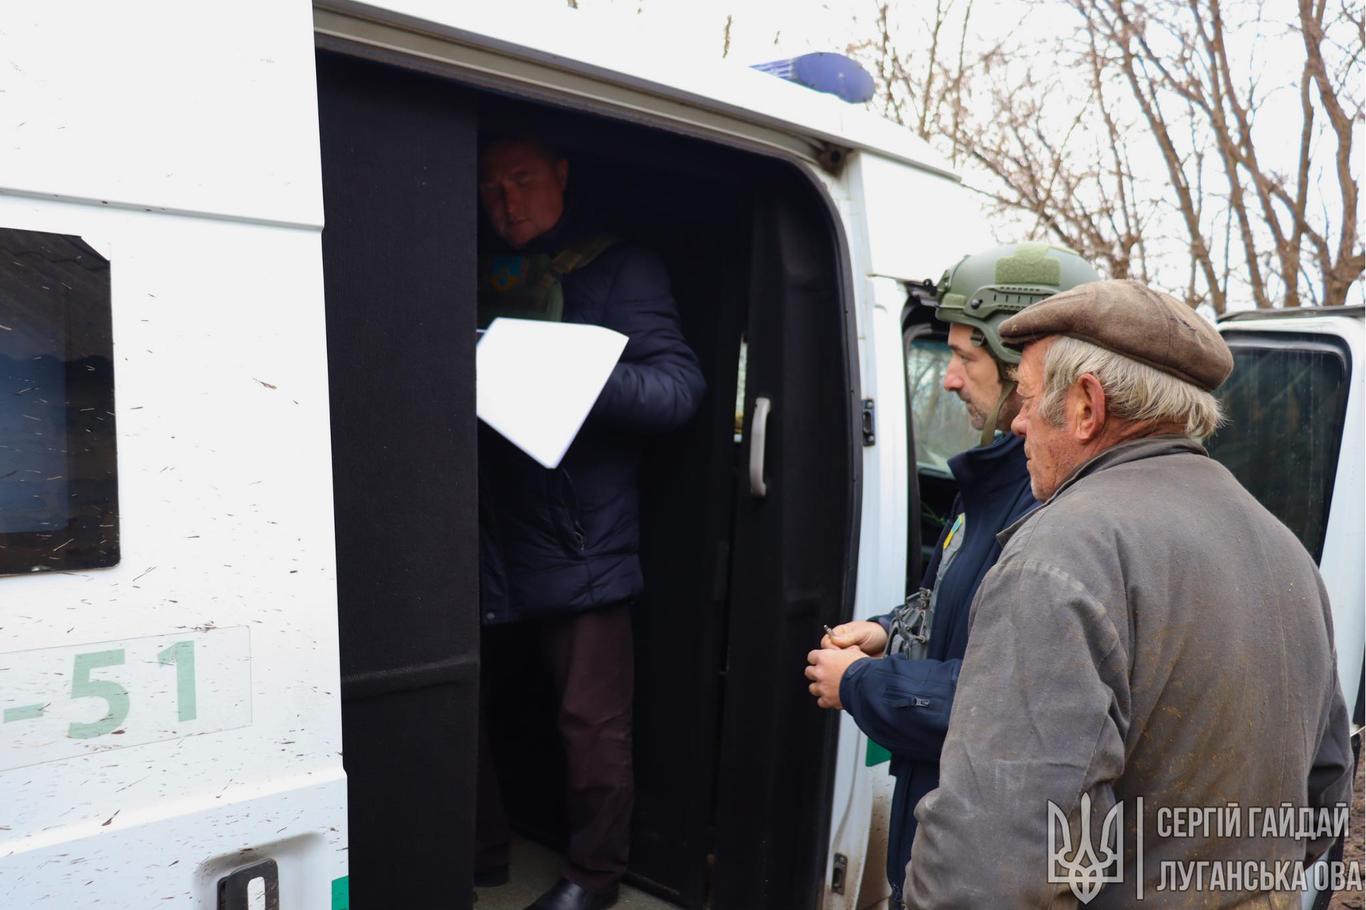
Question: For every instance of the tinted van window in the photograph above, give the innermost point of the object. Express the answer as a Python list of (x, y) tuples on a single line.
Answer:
[(1285, 404), (58, 490)]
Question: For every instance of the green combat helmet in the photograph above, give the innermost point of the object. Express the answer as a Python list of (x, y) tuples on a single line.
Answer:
[(984, 290)]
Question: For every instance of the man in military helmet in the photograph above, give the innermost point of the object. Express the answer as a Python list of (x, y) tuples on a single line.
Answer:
[(902, 700)]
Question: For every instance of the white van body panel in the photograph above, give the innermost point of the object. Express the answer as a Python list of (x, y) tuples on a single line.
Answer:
[(914, 228), (881, 565), (182, 145), (163, 106), (226, 532)]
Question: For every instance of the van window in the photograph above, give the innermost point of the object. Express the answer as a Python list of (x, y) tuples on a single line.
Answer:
[(1285, 404), (940, 419), (58, 491)]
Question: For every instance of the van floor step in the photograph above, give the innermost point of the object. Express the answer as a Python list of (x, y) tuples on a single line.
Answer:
[(534, 869)]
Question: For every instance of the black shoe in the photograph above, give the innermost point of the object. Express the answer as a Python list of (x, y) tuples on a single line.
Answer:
[(491, 876), (568, 896)]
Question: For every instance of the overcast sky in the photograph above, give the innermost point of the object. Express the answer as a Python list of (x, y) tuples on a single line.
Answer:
[(763, 30)]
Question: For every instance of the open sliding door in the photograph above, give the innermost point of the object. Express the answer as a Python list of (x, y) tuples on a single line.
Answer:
[(794, 553), (398, 163)]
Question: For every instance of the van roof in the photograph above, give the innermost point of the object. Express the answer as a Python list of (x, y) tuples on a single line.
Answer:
[(1300, 312), (571, 42)]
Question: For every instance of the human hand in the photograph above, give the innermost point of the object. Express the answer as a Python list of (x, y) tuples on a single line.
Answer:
[(868, 637), (827, 666)]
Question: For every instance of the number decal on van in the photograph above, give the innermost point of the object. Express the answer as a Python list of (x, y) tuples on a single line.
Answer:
[(115, 695), (58, 703), (182, 655)]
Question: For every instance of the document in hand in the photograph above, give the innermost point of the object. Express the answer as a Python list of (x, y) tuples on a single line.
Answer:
[(536, 381)]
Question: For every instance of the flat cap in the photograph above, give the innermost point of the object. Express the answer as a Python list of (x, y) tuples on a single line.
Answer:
[(1132, 320)]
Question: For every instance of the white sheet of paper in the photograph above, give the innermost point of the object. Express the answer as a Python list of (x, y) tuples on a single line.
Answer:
[(535, 382)]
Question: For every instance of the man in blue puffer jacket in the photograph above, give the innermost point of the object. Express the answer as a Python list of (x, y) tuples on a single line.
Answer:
[(560, 548), (903, 701)]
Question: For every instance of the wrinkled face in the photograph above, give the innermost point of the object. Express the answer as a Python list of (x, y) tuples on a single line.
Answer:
[(972, 375), (1053, 452), (521, 190)]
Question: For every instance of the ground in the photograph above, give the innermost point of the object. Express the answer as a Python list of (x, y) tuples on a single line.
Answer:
[(535, 869), (1354, 900)]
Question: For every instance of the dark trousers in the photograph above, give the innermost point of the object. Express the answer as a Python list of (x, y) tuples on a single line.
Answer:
[(590, 657)]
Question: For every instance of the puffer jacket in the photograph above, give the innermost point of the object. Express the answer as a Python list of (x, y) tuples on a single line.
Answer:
[(565, 540)]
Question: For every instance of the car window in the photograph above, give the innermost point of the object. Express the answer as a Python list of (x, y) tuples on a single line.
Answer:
[(939, 418), (1285, 404)]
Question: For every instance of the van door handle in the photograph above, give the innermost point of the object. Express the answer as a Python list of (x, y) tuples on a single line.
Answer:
[(234, 891), (758, 435)]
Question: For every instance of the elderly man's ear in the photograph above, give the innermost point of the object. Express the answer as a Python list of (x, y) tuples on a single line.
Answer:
[(1086, 402)]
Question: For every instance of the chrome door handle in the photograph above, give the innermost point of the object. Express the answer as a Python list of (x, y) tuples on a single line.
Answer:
[(758, 434)]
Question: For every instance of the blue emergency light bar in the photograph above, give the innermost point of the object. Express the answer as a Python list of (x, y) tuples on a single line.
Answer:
[(834, 74)]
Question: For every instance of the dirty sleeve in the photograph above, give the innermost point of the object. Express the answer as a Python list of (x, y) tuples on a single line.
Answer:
[(1038, 720)]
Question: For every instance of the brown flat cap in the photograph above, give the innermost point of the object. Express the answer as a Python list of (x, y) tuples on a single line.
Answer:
[(1133, 320)]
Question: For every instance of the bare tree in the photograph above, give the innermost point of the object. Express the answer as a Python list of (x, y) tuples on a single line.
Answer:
[(920, 91), (1152, 128), (1276, 226), (992, 107), (1071, 176)]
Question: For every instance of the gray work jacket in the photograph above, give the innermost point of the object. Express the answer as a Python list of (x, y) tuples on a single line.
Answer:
[(1150, 632)]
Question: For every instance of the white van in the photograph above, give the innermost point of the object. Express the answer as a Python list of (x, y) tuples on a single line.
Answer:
[(245, 542)]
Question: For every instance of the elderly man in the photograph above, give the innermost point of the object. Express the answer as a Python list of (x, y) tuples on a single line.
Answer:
[(560, 563), (1149, 633)]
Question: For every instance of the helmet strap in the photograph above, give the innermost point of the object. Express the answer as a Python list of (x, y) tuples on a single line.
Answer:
[(989, 428)]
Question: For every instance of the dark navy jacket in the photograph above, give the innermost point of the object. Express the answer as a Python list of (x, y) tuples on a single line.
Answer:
[(887, 697), (561, 541)]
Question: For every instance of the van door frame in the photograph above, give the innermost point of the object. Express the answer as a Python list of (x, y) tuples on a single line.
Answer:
[(424, 52)]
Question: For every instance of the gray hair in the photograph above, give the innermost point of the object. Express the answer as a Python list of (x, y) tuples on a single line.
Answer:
[(1133, 391)]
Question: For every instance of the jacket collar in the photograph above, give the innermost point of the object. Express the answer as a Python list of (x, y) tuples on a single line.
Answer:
[(558, 237), (1125, 452), (988, 468)]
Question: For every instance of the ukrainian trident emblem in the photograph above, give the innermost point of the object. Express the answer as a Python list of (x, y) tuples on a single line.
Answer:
[(1085, 867)]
